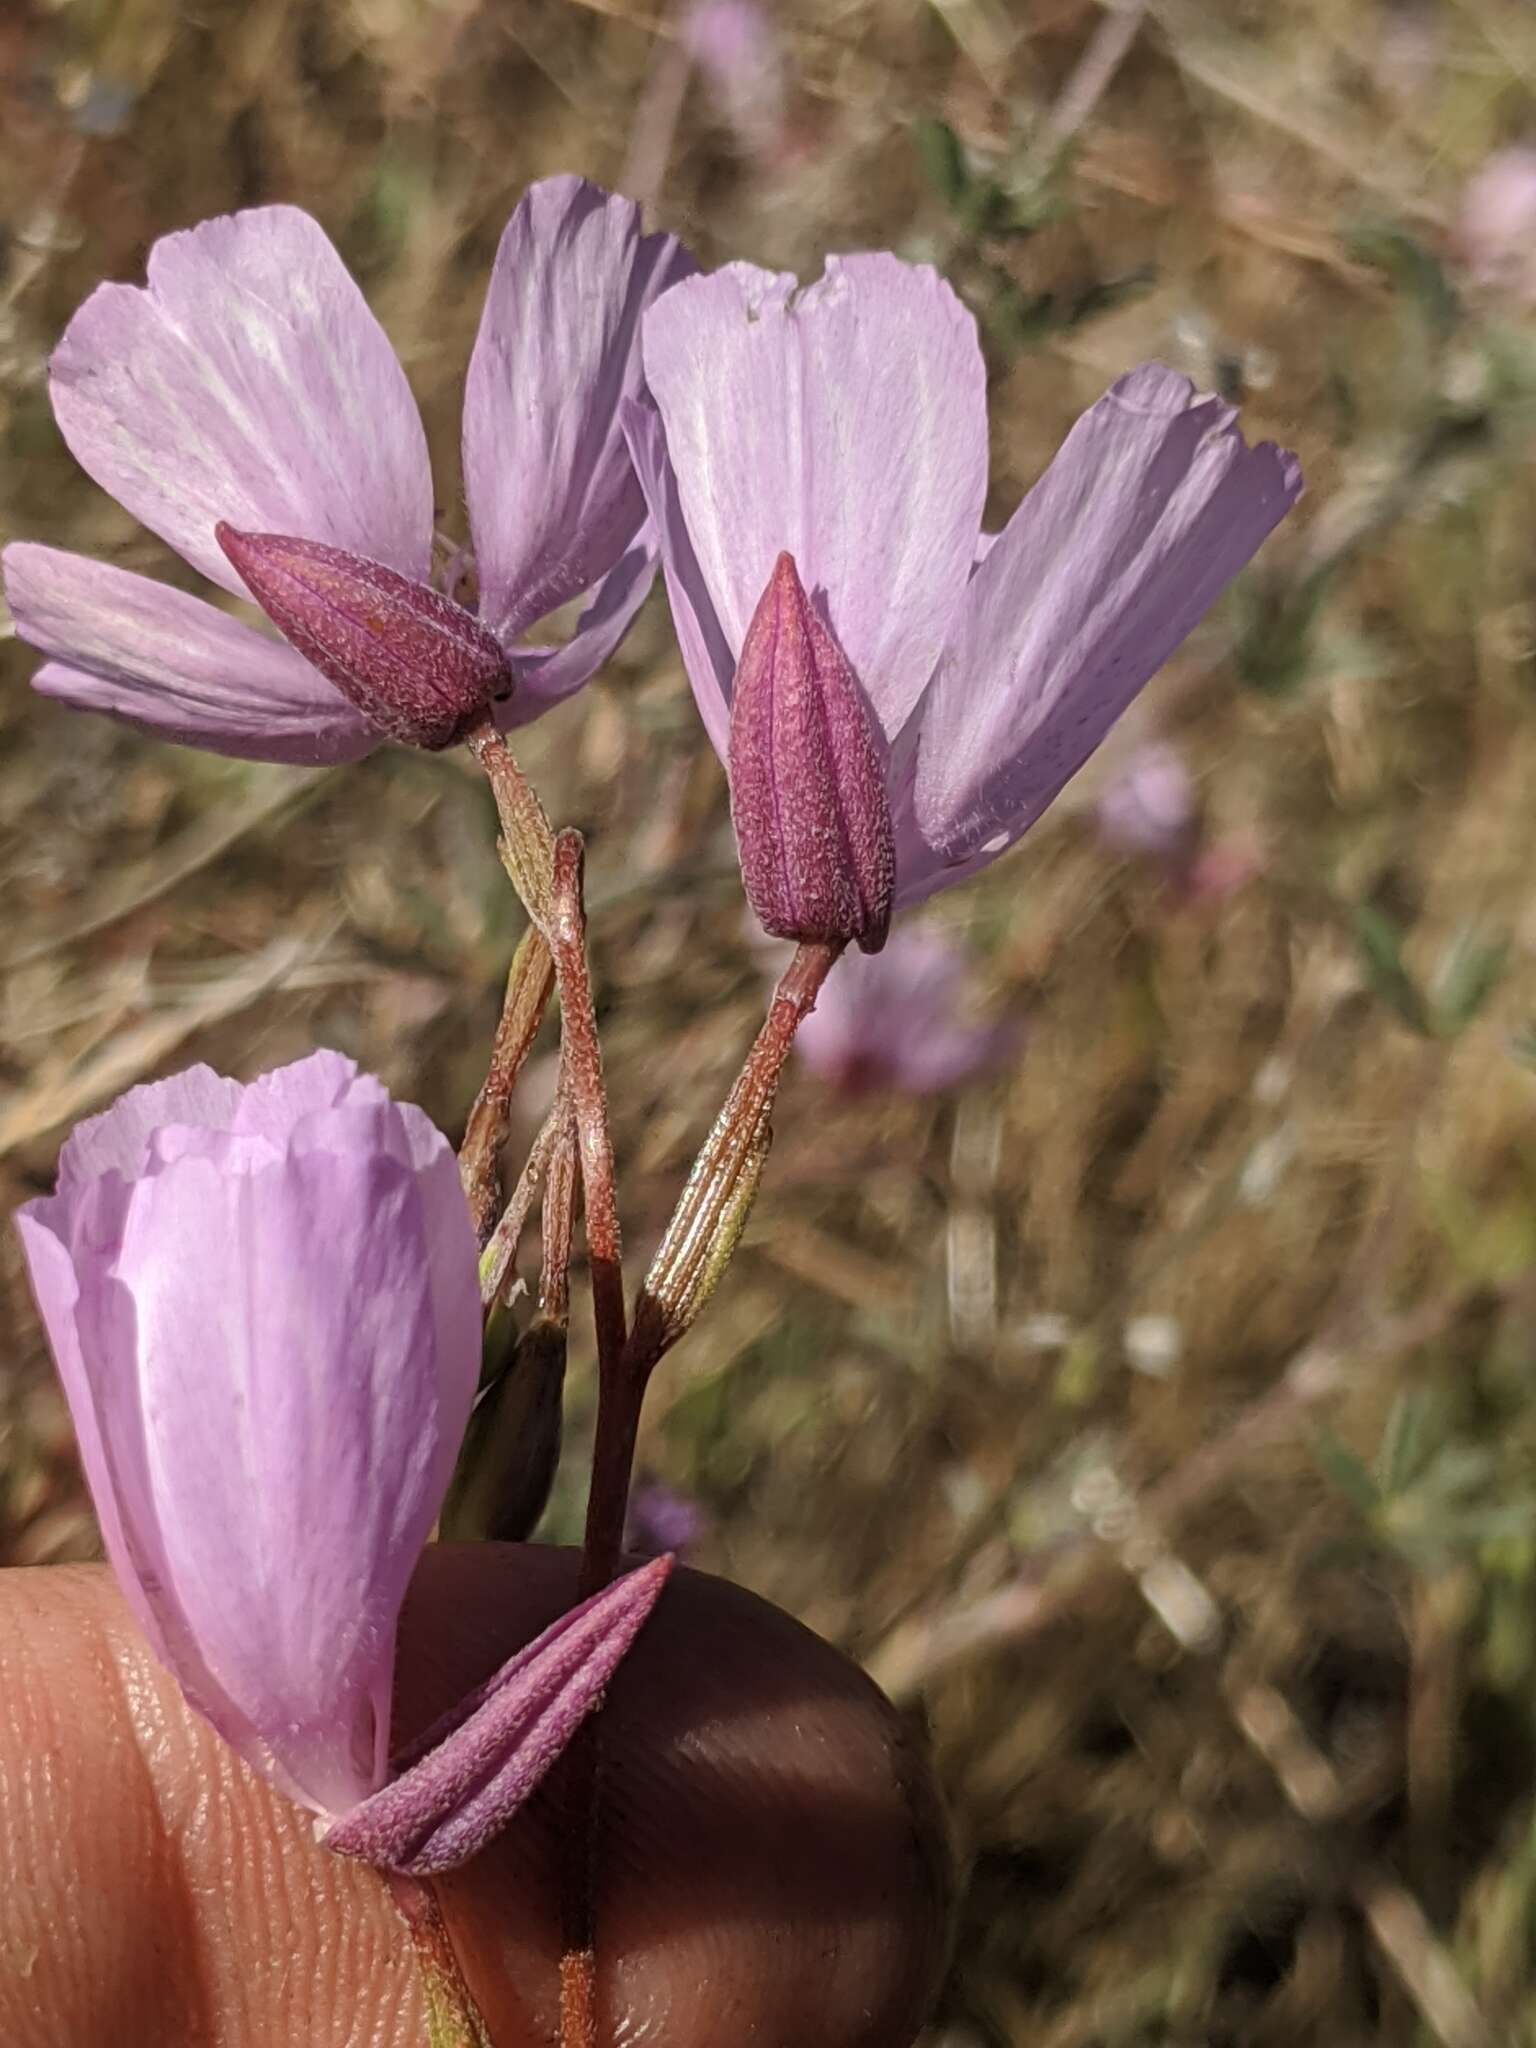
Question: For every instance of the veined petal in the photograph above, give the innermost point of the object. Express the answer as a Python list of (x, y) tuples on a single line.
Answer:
[(280, 1452), (54, 1232), (172, 665), (548, 675), (553, 502), (1153, 503), (247, 381), (845, 424), (117, 1140), (710, 663), (42, 1227), (274, 1104)]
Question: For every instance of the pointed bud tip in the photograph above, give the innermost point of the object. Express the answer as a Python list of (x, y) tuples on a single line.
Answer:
[(418, 666), (464, 1779), (807, 774)]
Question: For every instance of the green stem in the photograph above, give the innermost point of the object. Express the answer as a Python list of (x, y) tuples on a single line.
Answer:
[(453, 2018)]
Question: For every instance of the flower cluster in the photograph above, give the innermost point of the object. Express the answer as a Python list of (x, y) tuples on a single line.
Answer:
[(247, 407), (268, 1301)]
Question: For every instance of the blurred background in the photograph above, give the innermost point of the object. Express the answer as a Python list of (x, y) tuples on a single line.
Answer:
[(1133, 1364)]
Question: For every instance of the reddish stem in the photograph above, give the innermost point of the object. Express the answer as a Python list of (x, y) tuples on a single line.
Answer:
[(453, 2018), (559, 1219), (689, 1259), (698, 1240), (529, 985), (581, 1072)]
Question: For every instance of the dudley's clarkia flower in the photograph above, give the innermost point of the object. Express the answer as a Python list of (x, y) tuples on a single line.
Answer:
[(846, 425), (1495, 229), (901, 1021), (265, 1307), (247, 407)]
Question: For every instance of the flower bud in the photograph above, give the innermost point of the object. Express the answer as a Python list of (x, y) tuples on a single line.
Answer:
[(813, 824), (417, 666)]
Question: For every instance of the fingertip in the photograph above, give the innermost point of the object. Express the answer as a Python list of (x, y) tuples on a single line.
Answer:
[(771, 1861)]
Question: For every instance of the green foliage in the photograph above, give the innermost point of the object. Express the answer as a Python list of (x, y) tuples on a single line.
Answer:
[(1470, 969), (1434, 1491)]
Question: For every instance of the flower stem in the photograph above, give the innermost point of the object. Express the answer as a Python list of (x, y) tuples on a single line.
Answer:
[(707, 1223), (453, 2018), (705, 1229), (529, 986), (497, 1259), (527, 845), (546, 871), (581, 1073)]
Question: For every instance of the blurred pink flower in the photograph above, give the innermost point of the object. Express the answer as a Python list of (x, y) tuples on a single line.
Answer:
[(1495, 230), (897, 1020), (1148, 807), (265, 1309), (1149, 811), (736, 49), (661, 1520), (846, 425), (248, 385)]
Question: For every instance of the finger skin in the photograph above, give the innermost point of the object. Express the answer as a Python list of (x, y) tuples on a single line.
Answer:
[(772, 1861)]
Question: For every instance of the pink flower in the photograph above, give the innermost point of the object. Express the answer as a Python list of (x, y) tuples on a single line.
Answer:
[(898, 1020), (846, 425), (265, 1309), (1495, 230), (662, 1520), (248, 386), (1148, 808), (264, 1305), (734, 45), (1149, 811)]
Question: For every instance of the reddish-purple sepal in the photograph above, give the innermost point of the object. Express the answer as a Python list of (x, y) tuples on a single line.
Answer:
[(464, 1779), (807, 773), (418, 666)]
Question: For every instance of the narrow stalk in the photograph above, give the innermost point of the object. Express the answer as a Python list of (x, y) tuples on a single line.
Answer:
[(546, 871), (559, 1220), (581, 1073), (581, 1081), (529, 985), (453, 2018), (713, 1208), (497, 1258), (703, 1234), (527, 841), (613, 1458), (578, 1983)]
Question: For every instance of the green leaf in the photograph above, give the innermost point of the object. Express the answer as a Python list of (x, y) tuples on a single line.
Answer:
[(1274, 649), (1350, 1475), (942, 157), (1413, 268), (1470, 972), (1379, 943), (1402, 1441)]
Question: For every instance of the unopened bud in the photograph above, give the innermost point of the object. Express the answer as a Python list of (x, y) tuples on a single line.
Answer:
[(417, 665), (813, 823)]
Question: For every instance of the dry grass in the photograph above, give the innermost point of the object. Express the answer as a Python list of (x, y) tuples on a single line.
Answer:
[(1230, 1665)]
